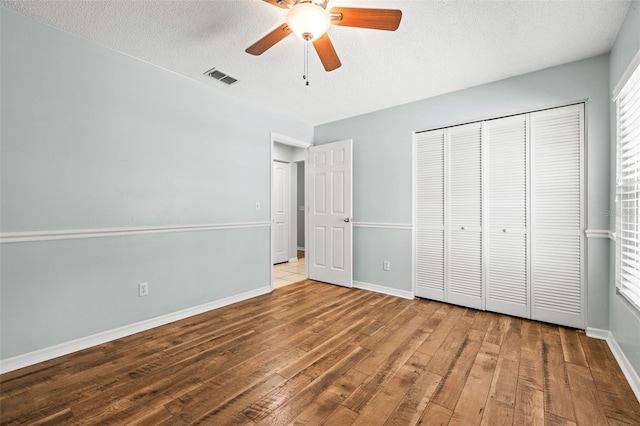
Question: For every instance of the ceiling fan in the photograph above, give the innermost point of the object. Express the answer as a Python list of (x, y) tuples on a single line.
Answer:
[(310, 20)]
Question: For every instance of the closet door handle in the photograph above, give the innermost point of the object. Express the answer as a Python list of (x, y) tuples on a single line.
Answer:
[(463, 228), (504, 230)]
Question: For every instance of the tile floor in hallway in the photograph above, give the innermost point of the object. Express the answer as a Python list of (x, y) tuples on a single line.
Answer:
[(289, 272)]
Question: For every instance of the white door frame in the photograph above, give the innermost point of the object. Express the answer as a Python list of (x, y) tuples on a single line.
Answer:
[(296, 143)]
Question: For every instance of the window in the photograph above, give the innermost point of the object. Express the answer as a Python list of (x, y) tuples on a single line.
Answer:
[(627, 98)]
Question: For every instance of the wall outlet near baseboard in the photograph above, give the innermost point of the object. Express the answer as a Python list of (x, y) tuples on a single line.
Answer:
[(143, 289), (386, 265)]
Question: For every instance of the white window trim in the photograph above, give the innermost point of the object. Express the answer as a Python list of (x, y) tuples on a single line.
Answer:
[(635, 63), (628, 283)]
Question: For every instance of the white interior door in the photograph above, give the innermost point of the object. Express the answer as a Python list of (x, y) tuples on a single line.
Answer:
[(330, 213), (280, 225)]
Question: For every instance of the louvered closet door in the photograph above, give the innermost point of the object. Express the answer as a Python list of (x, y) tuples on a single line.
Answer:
[(506, 146), (557, 140), (464, 215), (430, 214)]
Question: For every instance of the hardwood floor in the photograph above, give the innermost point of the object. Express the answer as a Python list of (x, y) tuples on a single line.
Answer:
[(313, 353)]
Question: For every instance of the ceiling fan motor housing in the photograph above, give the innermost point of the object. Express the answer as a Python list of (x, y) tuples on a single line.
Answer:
[(308, 20)]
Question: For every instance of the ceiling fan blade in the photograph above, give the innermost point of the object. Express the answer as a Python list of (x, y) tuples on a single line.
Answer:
[(327, 53), (279, 3), (266, 42), (377, 19)]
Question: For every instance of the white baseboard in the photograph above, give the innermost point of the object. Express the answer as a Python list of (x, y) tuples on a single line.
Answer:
[(382, 289), (66, 348), (597, 333), (626, 367), (293, 259), (301, 248)]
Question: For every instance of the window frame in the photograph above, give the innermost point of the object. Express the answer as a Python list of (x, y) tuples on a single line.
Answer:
[(627, 214)]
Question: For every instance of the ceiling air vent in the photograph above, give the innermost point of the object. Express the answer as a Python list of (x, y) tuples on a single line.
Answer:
[(220, 76)]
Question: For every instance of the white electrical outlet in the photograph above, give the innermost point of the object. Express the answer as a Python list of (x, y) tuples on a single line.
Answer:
[(386, 265), (143, 289)]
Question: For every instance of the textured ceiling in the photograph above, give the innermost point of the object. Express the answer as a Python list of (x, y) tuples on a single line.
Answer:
[(441, 46)]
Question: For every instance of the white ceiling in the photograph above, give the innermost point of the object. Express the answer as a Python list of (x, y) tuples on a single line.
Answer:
[(440, 47)]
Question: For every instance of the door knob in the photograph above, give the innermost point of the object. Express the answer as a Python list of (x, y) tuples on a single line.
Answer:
[(463, 228), (346, 219)]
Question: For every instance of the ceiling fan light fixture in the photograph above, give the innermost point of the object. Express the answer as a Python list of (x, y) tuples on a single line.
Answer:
[(308, 20)]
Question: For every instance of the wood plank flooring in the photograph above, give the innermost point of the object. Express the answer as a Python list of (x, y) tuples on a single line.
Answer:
[(312, 353)]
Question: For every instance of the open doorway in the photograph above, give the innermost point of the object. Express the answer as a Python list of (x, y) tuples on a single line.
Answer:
[(288, 210)]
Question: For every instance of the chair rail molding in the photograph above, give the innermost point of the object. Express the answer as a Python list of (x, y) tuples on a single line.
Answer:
[(72, 234), (600, 233), (381, 225)]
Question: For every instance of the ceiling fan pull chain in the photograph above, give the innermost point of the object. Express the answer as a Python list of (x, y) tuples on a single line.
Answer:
[(305, 76)]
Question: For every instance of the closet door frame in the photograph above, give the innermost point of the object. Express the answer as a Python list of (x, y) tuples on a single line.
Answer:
[(531, 221)]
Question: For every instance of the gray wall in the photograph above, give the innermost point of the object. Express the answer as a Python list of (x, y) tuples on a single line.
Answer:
[(383, 164), (94, 139), (624, 320)]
